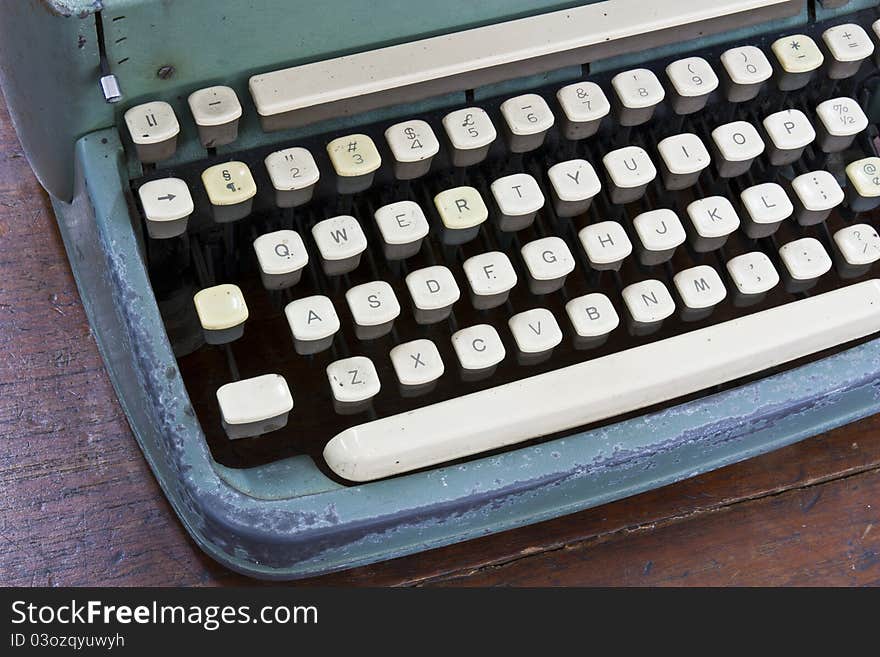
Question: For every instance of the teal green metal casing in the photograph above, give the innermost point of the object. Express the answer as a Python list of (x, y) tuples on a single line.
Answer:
[(287, 520)]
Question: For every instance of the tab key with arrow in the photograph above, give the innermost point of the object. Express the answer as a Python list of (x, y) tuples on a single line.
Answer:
[(167, 204)]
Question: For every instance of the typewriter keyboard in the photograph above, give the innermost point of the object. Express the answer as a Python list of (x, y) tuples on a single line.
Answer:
[(424, 290)]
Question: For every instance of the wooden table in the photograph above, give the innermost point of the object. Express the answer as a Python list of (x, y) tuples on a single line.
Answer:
[(79, 506)]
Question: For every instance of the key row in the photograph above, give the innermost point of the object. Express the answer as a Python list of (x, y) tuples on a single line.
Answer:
[(479, 349), (154, 128), (374, 307)]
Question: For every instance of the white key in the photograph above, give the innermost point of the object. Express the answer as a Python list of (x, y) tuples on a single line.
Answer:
[(597, 389), (282, 256), (548, 261), (766, 205), (805, 259), (216, 111), (252, 407), (153, 128), (816, 194), (798, 56), (875, 26), (592, 317), (353, 382), (692, 81), (629, 172), (840, 120), (417, 363), (527, 118), (789, 131), (660, 232), (535, 331), (433, 291), (752, 273), (713, 219), (637, 93), (683, 157), (648, 303), (413, 145), (341, 241), (478, 347), (167, 204), (700, 289), (313, 322), (471, 133), (606, 244), (859, 244), (222, 312), (574, 184), (584, 105), (737, 144), (518, 198), (374, 307), (746, 69), (849, 45), (864, 184), (294, 174), (491, 277), (403, 226)]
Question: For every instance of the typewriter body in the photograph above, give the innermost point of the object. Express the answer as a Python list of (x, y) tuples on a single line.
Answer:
[(372, 278)]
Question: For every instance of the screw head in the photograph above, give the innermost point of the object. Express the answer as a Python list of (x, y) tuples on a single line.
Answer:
[(165, 72)]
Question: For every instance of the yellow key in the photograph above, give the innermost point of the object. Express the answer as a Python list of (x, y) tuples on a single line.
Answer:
[(231, 189), (355, 159), (461, 210), (222, 312), (863, 192)]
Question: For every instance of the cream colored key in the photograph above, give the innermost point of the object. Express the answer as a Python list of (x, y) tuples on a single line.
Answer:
[(216, 111), (167, 206), (461, 210), (252, 407), (863, 192), (355, 160), (222, 312), (798, 56), (231, 190), (153, 128)]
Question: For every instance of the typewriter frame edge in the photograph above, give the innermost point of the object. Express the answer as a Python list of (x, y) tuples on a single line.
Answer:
[(342, 528)]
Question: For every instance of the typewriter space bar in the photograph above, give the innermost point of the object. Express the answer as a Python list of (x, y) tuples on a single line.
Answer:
[(605, 387)]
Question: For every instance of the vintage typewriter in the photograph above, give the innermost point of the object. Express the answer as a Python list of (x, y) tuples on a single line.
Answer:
[(375, 277)]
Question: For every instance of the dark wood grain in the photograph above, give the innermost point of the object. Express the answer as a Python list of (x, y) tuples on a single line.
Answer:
[(78, 505)]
